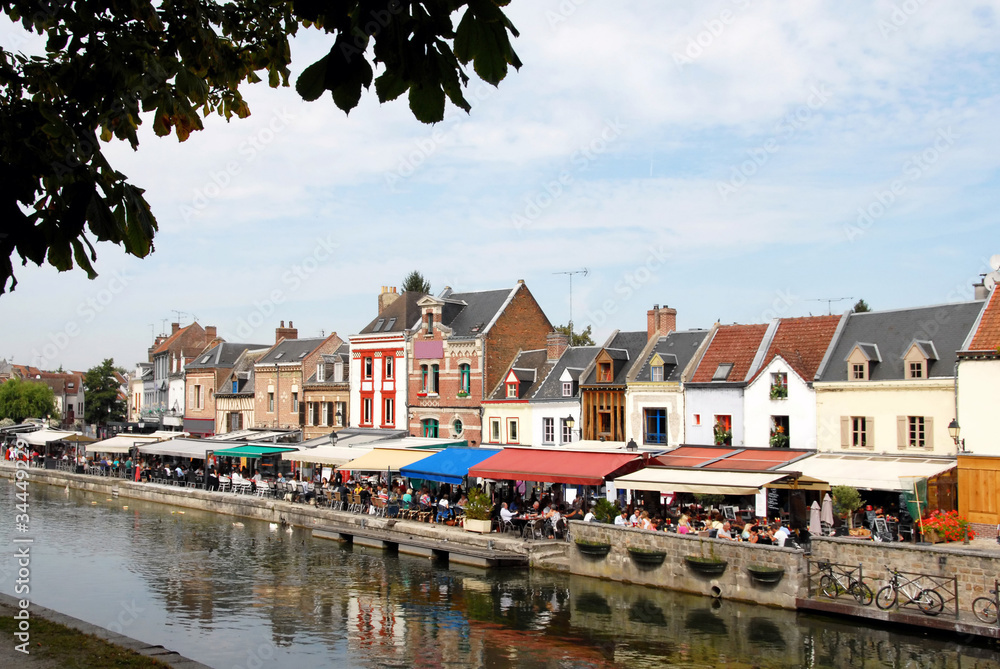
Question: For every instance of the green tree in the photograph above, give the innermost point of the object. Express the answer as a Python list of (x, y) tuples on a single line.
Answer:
[(26, 399), (416, 282), (846, 500), (584, 338), (101, 394), (105, 63), (861, 307)]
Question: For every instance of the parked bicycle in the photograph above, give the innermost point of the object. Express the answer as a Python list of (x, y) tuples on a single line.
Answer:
[(832, 583), (985, 608), (928, 600)]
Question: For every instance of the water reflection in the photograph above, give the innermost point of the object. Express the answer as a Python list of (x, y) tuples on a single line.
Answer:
[(252, 594)]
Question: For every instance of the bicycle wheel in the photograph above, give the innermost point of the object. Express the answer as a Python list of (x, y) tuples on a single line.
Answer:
[(828, 586), (985, 609), (862, 593), (886, 598), (930, 602)]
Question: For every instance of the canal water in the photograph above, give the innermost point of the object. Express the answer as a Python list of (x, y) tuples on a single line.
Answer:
[(250, 595)]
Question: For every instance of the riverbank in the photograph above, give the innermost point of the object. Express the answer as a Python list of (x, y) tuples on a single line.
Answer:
[(57, 641)]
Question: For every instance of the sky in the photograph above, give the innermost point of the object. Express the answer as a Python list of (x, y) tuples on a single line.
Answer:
[(738, 160)]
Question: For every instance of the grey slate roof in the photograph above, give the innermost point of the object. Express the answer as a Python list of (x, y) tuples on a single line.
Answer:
[(291, 350), (222, 355), (624, 350), (470, 319), (530, 368), (677, 348), (243, 373), (574, 358), (945, 326), (342, 354), (404, 310)]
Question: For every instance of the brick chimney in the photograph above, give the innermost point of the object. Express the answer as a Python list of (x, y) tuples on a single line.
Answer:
[(174, 327), (660, 322), (210, 331), (386, 297), (556, 344), (285, 333)]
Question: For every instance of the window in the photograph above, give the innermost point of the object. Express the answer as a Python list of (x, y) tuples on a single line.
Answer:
[(464, 378), (697, 419), (916, 370), (320, 372), (567, 389), (915, 432), (549, 430), (512, 436), (780, 434), (858, 371), (567, 431), (656, 373), (392, 321), (424, 374), (378, 326), (456, 427), (430, 427), (434, 379), (368, 368), (859, 432), (722, 429), (328, 414), (389, 411), (604, 372), (235, 421), (270, 402), (604, 424), (340, 414), (295, 402), (389, 360), (236, 385), (312, 418), (722, 371), (197, 397), (656, 426), (512, 391), (366, 411), (495, 430), (779, 385), (338, 372), (430, 322)]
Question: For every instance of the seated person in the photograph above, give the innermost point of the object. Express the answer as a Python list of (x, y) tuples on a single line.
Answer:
[(505, 513), (779, 534), (443, 510)]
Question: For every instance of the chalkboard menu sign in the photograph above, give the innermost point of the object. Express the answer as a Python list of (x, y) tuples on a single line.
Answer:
[(773, 506)]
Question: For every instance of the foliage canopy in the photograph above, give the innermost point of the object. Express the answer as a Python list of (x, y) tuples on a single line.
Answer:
[(101, 402), (26, 399), (584, 338), (416, 282)]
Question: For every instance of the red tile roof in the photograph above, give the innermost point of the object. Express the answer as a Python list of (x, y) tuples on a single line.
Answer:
[(735, 344), (802, 342), (987, 337)]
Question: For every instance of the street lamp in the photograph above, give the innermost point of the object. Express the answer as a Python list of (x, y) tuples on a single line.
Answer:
[(570, 423), (953, 431)]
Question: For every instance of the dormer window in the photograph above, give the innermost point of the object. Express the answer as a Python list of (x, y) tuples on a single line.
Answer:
[(916, 370), (567, 389), (604, 372), (656, 373), (512, 391), (338, 372), (862, 360), (320, 372), (722, 371), (236, 385), (858, 372)]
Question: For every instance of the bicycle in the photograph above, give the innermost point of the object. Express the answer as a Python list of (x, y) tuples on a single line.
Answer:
[(928, 600), (985, 608), (832, 583)]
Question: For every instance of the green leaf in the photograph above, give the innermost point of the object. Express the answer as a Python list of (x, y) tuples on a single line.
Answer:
[(311, 83), (389, 86), (427, 102)]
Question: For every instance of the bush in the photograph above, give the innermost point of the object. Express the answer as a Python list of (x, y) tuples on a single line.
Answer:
[(605, 511), (949, 525), (846, 500), (479, 505)]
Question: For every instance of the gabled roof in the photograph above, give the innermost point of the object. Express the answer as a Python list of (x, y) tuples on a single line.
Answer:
[(732, 344), (470, 314), (926, 348), (987, 334), (189, 331), (870, 351), (530, 368), (946, 325), (675, 350), (624, 349), (290, 350), (802, 343), (574, 358), (402, 314), (242, 372), (221, 356), (342, 354)]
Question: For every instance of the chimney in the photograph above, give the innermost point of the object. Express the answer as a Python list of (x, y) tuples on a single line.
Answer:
[(386, 297), (556, 343), (174, 327), (981, 291), (285, 333), (660, 322), (210, 331)]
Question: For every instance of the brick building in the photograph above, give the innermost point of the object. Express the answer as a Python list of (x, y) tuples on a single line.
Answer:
[(327, 393), (203, 376)]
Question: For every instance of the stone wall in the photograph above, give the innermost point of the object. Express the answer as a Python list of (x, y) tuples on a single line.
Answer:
[(675, 574), (974, 569)]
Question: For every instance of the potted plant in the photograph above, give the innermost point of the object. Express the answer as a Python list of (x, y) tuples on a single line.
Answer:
[(646, 556), (710, 566), (778, 391), (765, 574), (779, 438), (723, 435), (846, 500), (606, 511), (477, 512), (593, 548)]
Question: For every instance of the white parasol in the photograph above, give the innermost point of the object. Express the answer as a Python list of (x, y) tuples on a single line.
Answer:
[(814, 526), (827, 513)]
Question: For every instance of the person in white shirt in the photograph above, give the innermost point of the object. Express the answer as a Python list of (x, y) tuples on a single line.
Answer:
[(620, 519), (781, 533), (589, 517), (505, 513)]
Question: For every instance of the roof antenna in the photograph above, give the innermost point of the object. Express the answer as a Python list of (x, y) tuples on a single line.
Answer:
[(829, 302), (584, 272)]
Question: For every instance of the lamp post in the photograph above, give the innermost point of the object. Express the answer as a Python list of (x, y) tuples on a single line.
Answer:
[(954, 431), (570, 423)]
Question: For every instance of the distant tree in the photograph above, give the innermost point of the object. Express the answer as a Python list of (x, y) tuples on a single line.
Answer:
[(26, 399), (579, 338), (416, 282), (101, 394), (861, 307)]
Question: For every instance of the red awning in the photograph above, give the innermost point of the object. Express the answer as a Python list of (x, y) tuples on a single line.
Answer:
[(551, 466)]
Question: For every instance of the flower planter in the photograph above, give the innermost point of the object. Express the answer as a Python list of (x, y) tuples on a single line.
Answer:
[(646, 557), (763, 574), (480, 526), (592, 548), (708, 566)]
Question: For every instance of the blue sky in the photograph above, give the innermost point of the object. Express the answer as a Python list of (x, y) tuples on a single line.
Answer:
[(736, 160)]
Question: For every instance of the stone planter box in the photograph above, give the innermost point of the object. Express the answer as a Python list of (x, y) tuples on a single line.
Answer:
[(706, 566), (481, 526), (763, 574), (593, 549), (647, 558)]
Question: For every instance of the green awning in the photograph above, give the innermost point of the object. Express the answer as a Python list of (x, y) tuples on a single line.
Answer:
[(254, 451)]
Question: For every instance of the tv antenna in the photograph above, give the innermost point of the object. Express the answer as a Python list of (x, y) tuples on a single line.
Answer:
[(829, 302), (584, 272)]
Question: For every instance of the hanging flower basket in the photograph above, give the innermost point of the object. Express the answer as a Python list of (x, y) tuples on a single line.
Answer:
[(646, 557), (593, 548), (765, 574), (709, 566)]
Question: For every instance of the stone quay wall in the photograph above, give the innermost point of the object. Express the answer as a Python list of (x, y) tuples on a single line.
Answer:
[(675, 574), (974, 569)]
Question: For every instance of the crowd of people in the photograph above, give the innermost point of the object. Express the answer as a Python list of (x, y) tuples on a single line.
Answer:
[(694, 520)]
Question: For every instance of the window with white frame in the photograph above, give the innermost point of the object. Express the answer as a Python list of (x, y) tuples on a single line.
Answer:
[(567, 431), (495, 430), (512, 431), (340, 413), (549, 430), (567, 390), (366, 411), (320, 372), (656, 373), (389, 415)]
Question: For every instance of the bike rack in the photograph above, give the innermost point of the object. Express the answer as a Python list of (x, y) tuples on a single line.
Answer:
[(946, 586)]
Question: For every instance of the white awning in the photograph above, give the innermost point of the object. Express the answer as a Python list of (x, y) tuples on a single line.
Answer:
[(327, 455), (181, 448), (121, 443), (870, 472), (43, 436), (249, 435), (711, 481)]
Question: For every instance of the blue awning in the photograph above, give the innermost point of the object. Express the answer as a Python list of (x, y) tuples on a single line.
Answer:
[(448, 466)]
